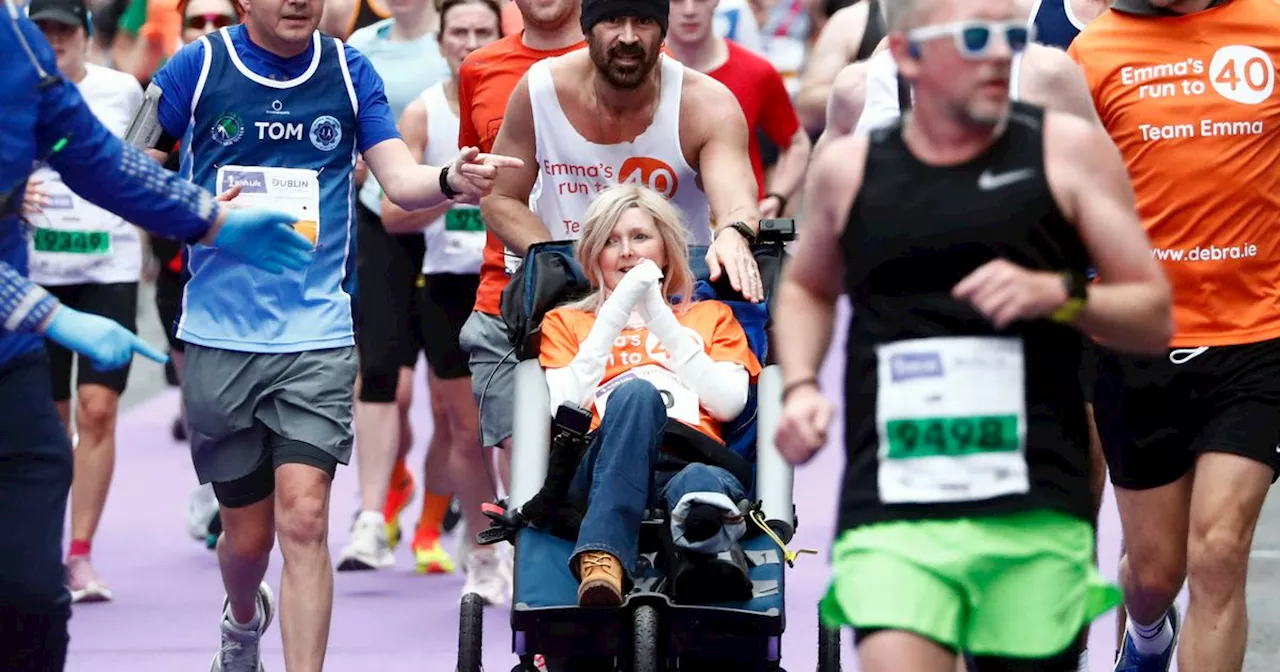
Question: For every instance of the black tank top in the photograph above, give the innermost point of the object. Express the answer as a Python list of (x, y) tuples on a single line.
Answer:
[(874, 32), (975, 421)]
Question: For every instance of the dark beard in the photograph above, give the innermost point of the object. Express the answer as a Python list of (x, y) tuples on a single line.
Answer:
[(623, 77)]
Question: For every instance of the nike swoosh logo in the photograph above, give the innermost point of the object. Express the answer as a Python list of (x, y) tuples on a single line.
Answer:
[(989, 182)]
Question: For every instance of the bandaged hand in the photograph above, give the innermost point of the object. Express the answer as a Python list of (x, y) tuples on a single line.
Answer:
[(612, 316), (637, 282)]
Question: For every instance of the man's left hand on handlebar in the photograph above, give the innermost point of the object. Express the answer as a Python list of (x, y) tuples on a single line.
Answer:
[(731, 253)]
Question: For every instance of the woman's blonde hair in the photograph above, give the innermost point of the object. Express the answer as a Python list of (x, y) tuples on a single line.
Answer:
[(603, 215)]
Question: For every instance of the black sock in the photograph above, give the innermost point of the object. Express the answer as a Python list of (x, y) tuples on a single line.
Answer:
[(703, 522)]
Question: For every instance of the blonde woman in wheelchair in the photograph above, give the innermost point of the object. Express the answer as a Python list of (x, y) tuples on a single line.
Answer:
[(662, 373)]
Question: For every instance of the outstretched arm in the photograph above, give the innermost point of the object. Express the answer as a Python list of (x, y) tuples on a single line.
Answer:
[(413, 128), (24, 305)]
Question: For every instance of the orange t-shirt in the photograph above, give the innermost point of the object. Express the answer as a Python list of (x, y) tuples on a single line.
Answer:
[(485, 82), (1191, 102), (638, 354)]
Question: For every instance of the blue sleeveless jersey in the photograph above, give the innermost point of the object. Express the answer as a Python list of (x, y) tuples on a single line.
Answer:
[(240, 118), (1056, 25)]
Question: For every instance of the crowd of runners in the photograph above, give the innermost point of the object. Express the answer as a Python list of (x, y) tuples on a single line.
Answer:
[(1054, 221)]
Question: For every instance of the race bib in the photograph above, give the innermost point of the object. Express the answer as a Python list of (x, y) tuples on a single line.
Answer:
[(69, 235), (293, 191), (466, 220), (951, 418), (681, 402), (62, 241)]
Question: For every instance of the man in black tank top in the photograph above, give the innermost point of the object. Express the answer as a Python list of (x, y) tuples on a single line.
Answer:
[(962, 234)]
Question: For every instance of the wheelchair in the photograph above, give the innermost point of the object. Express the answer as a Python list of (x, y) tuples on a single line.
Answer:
[(651, 631)]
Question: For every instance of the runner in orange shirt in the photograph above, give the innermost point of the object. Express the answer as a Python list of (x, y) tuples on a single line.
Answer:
[(638, 361), (1186, 89)]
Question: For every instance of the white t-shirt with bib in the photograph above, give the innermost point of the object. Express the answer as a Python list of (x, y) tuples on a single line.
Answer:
[(73, 241), (455, 240)]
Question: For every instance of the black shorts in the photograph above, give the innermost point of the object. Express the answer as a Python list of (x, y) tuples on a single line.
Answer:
[(1156, 415), (1088, 369), (447, 302), (388, 325), (116, 301)]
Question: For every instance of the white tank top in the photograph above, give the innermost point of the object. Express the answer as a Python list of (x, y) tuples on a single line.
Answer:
[(72, 240), (881, 107), (572, 169), (455, 241)]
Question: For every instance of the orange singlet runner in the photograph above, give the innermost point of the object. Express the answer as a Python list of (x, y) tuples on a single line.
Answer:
[(1191, 102), (485, 82)]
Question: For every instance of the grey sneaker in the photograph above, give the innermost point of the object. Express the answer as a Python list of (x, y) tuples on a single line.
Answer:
[(240, 652)]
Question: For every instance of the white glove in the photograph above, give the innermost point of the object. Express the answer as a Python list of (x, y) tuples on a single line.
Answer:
[(654, 305), (616, 310), (636, 282)]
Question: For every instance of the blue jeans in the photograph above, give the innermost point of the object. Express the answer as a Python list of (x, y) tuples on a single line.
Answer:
[(617, 475), (35, 479)]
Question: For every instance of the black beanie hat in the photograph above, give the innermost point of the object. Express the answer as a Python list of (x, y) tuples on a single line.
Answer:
[(595, 11)]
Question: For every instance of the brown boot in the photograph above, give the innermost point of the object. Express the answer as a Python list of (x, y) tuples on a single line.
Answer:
[(601, 583)]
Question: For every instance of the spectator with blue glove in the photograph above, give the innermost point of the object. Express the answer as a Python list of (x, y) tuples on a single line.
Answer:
[(46, 120)]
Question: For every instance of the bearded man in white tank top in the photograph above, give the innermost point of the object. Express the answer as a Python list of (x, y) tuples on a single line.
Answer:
[(622, 111)]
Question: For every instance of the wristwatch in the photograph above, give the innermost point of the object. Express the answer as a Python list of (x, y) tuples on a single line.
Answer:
[(445, 189), (743, 229), (1077, 296)]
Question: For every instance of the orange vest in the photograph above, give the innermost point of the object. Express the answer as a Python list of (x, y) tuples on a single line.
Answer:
[(1191, 102)]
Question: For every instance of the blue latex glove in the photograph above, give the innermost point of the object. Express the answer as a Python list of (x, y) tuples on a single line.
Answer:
[(107, 344), (263, 238)]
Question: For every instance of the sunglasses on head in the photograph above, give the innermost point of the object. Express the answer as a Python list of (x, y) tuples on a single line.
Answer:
[(974, 39), (202, 21)]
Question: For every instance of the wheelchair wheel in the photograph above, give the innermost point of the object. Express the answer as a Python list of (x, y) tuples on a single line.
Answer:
[(644, 649), (828, 648), (471, 634)]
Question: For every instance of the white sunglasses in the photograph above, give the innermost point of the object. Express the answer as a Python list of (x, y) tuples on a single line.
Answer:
[(974, 38)]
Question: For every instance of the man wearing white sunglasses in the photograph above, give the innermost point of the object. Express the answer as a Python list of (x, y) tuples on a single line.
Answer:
[(962, 234)]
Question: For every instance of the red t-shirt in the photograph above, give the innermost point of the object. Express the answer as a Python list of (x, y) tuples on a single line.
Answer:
[(764, 100)]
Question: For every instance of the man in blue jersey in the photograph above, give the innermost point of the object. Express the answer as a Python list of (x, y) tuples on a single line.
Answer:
[(279, 112), (47, 120), (1058, 22)]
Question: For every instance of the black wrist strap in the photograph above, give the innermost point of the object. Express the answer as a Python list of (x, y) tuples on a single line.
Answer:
[(795, 385), (445, 189), (744, 230), (1077, 285)]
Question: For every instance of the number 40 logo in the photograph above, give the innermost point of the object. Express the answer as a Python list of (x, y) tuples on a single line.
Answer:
[(1243, 74)]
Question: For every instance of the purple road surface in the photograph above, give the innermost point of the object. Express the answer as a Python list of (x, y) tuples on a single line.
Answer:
[(168, 593)]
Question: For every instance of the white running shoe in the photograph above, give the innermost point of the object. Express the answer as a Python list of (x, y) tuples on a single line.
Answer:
[(368, 548), (487, 576), (202, 507), (240, 650)]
